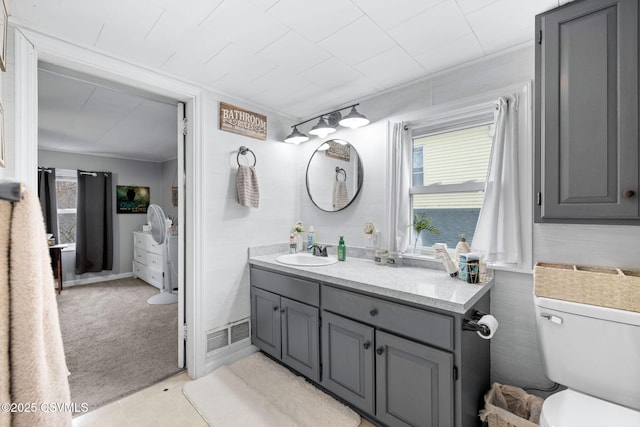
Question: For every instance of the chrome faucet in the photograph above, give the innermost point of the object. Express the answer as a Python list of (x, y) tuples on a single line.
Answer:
[(319, 250)]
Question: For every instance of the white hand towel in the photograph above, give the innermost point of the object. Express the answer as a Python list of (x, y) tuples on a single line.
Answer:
[(37, 361), (340, 195), (247, 185)]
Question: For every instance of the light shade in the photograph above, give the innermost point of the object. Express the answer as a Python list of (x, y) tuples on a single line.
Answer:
[(296, 137), (322, 129), (354, 119)]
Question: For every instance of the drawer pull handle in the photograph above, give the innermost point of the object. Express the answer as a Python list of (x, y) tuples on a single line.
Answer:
[(282, 310), (275, 308), (366, 345), (380, 350), (373, 312), (628, 193)]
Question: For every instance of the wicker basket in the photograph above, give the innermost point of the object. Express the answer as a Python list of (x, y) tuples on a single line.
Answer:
[(605, 287), (496, 416)]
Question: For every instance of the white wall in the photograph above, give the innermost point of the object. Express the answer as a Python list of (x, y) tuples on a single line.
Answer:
[(231, 228), (125, 172)]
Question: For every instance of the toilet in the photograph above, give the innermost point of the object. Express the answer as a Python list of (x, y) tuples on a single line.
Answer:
[(594, 352)]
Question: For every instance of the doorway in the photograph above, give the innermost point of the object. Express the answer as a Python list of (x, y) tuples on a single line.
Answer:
[(116, 343), (31, 47)]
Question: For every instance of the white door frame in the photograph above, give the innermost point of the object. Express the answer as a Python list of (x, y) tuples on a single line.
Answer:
[(31, 46)]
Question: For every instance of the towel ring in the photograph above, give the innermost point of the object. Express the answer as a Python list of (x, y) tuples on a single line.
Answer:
[(339, 170), (244, 150)]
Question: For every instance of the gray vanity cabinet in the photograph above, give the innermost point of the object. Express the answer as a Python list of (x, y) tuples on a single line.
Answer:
[(300, 338), (586, 113), (266, 329), (415, 382), (348, 360), (401, 364), (285, 320), (367, 360)]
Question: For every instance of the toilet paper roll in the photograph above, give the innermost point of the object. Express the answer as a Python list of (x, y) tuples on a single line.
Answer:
[(491, 323)]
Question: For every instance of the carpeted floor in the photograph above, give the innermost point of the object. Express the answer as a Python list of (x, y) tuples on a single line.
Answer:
[(115, 343)]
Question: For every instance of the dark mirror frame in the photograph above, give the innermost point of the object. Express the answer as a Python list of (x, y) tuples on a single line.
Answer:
[(360, 179)]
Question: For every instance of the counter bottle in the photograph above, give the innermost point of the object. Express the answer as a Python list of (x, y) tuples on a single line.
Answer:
[(342, 250)]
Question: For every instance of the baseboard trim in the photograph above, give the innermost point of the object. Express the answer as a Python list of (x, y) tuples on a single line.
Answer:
[(96, 279)]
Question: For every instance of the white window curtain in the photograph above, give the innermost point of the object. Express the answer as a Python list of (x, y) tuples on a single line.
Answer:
[(498, 231), (401, 168)]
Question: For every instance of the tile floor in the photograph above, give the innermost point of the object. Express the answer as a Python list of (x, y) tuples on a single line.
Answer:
[(160, 405)]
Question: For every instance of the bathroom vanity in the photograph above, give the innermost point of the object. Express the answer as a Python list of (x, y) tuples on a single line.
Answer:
[(387, 341)]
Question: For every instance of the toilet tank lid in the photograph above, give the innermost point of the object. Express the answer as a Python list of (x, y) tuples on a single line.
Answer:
[(604, 313)]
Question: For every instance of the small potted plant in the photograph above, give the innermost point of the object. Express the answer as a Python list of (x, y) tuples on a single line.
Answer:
[(422, 223)]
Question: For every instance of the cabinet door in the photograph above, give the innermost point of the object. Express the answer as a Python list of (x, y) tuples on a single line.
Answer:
[(347, 360), (414, 383), (300, 342), (587, 111), (265, 321)]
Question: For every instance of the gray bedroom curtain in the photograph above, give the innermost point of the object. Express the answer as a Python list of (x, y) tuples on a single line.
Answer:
[(94, 232), (47, 196)]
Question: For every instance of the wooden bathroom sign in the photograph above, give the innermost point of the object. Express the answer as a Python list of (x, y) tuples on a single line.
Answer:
[(243, 122)]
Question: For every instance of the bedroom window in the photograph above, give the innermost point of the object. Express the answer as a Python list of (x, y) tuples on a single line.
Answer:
[(66, 198), (449, 172)]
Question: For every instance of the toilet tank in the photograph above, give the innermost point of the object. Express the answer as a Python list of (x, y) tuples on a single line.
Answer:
[(595, 350)]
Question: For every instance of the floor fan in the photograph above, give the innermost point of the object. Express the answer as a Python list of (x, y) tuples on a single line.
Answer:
[(160, 233)]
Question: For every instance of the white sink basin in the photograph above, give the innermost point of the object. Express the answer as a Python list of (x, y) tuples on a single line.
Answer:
[(306, 260)]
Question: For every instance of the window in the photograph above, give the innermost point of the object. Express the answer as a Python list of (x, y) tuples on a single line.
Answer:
[(418, 165), (66, 198), (449, 172)]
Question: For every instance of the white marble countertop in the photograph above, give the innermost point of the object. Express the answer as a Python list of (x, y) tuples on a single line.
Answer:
[(424, 286)]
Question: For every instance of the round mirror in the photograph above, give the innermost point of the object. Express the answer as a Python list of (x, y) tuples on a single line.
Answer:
[(334, 175)]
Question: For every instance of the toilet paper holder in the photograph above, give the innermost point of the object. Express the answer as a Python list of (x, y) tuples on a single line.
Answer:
[(472, 324)]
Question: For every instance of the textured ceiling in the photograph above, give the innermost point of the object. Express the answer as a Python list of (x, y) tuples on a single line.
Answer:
[(298, 57), (80, 114)]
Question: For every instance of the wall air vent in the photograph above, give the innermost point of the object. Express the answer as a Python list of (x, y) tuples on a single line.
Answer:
[(228, 336), (217, 340)]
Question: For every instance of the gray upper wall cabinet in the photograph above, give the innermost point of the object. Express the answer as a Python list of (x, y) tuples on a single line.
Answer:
[(586, 113)]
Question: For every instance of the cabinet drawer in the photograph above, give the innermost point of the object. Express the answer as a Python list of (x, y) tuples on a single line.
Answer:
[(290, 287), (155, 278), (149, 275), (155, 261), (139, 240), (145, 241), (139, 270), (140, 255), (431, 328), (154, 247)]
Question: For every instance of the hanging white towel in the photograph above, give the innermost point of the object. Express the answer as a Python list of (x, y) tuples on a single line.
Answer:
[(38, 370), (340, 195), (247, 185)]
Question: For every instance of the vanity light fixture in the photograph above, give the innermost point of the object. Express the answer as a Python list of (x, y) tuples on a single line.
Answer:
[(354, 119), (296, 136), (324, 127)]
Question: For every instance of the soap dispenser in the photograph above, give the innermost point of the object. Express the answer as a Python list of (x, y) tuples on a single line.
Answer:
[(342, 250)]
